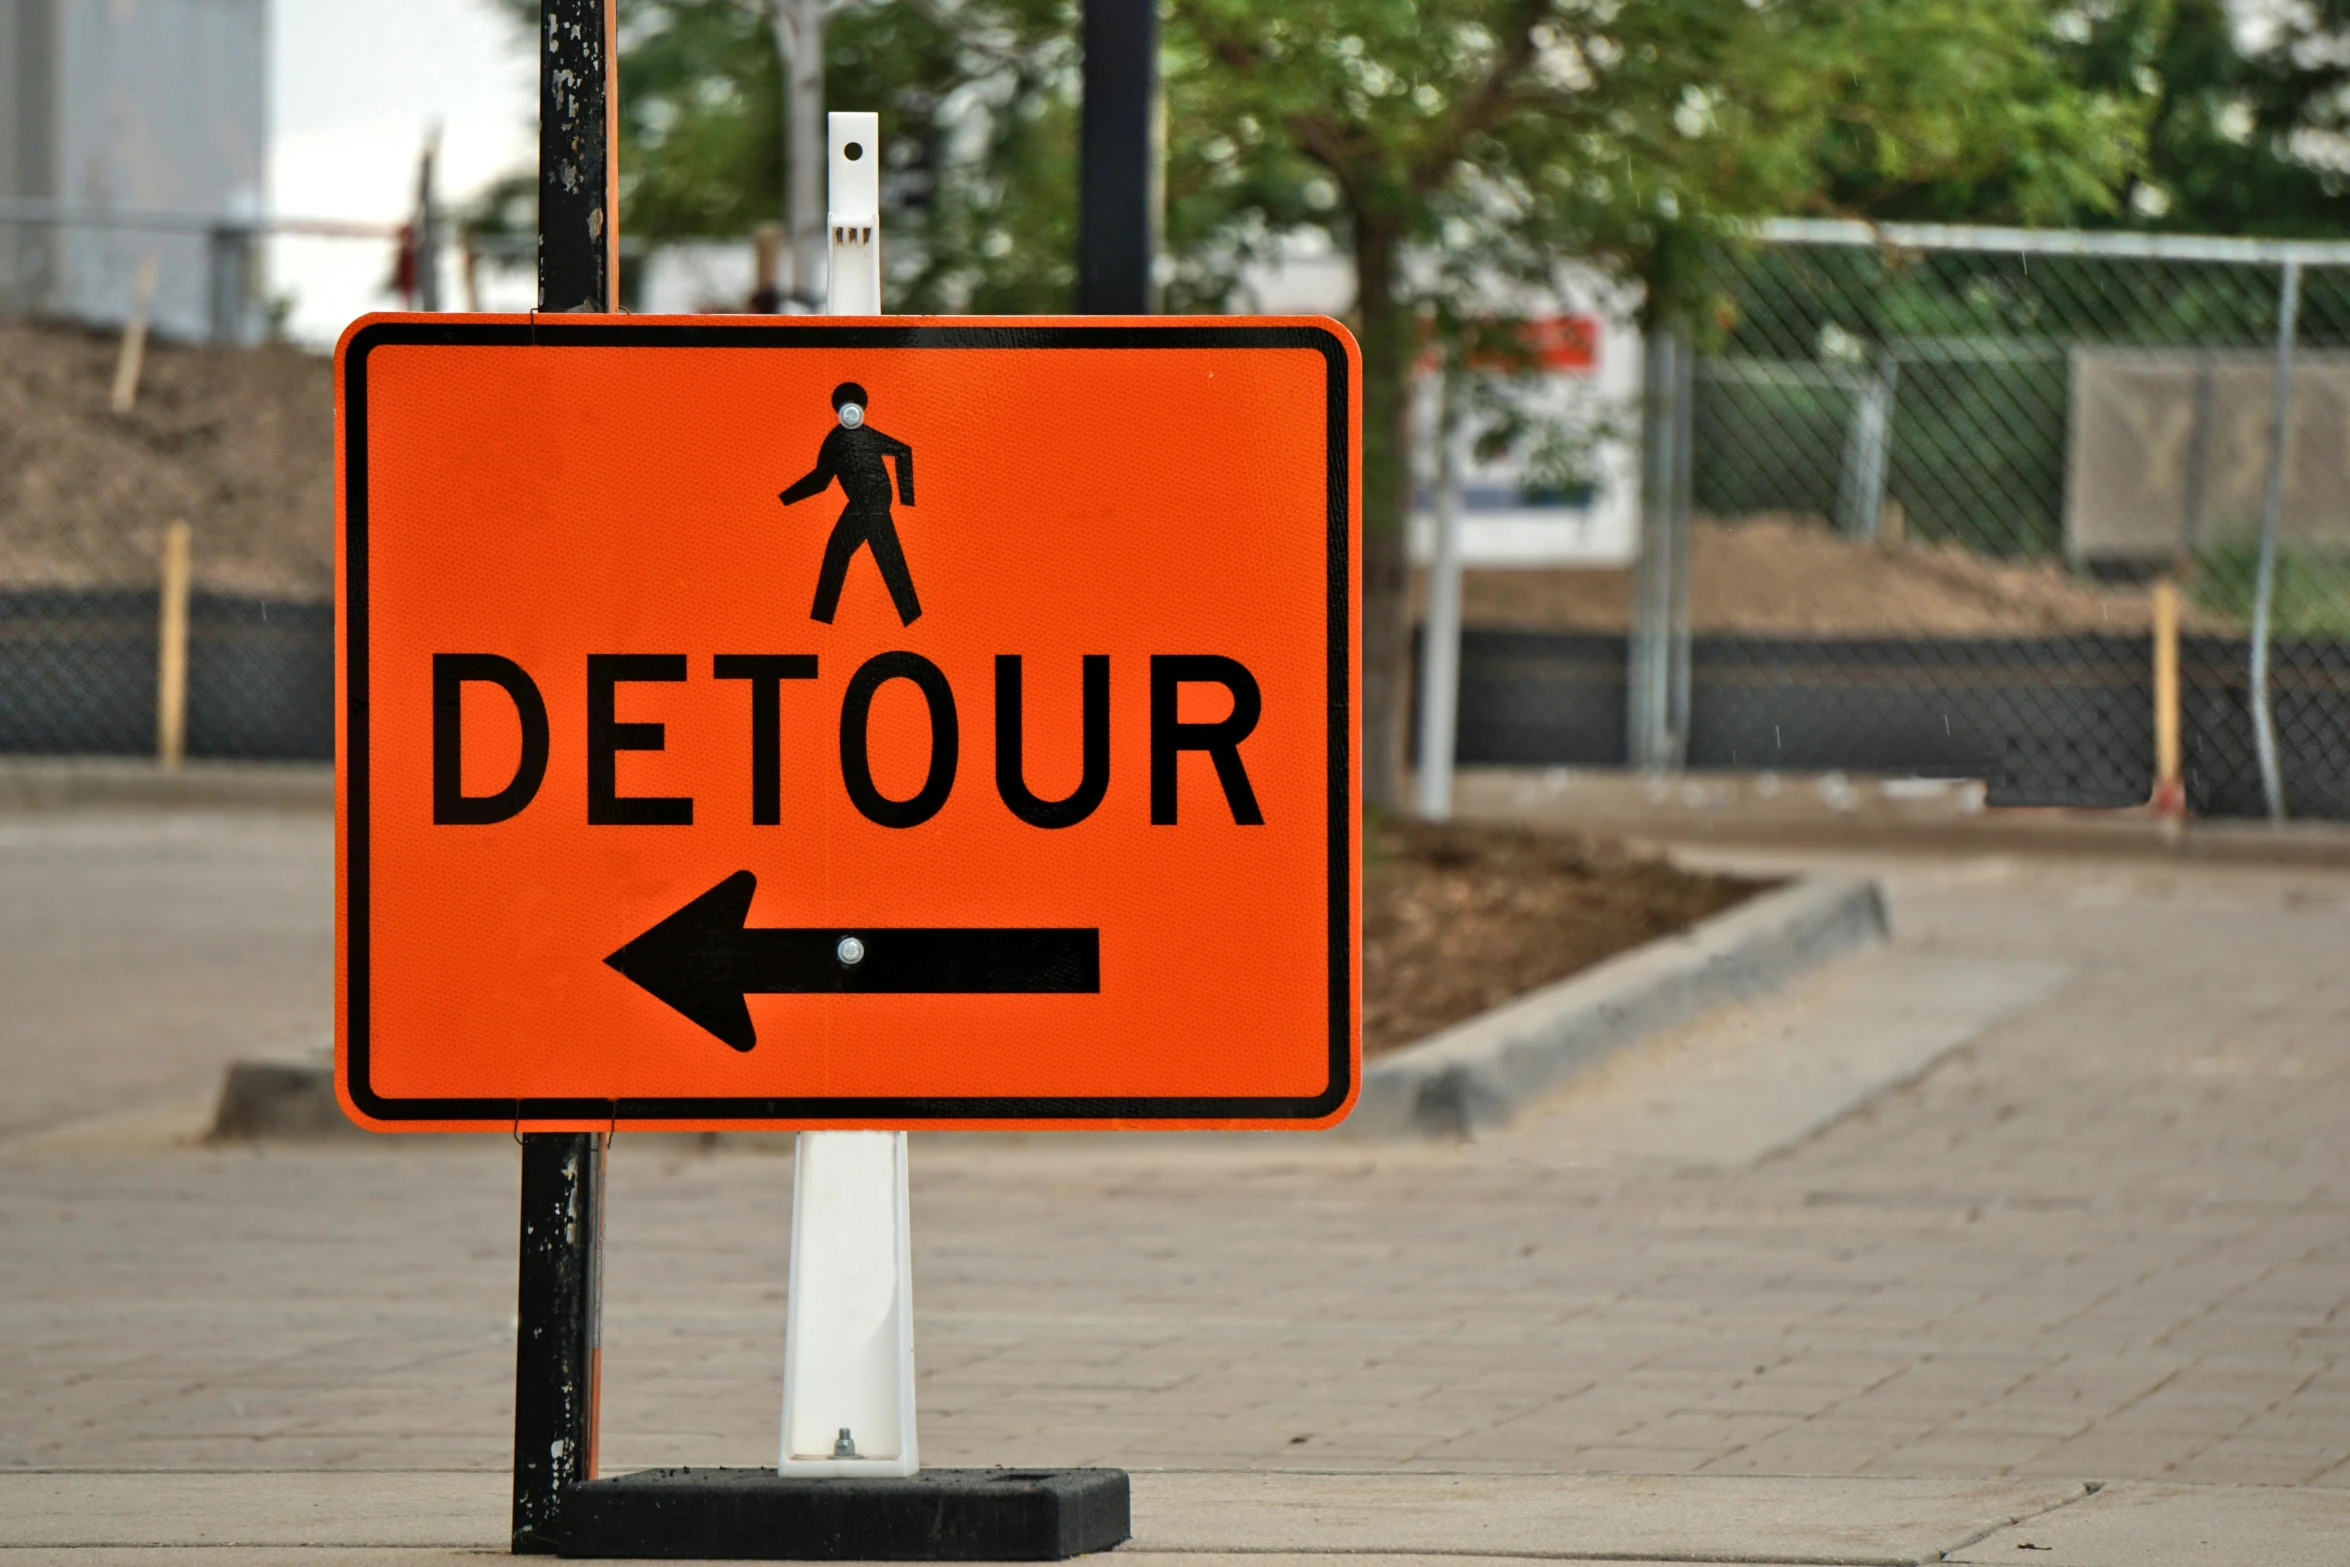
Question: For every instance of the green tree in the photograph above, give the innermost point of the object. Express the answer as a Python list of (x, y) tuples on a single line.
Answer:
[(2245, 129), (2245, 140), (1456, 150)]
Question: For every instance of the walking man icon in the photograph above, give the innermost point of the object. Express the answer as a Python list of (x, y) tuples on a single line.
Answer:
[(857, 455)]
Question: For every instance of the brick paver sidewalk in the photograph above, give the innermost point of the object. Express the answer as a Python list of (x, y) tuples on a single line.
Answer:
[(2108, 1239)]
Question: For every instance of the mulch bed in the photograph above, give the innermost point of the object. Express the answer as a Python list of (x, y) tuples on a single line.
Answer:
[(1458, 918)]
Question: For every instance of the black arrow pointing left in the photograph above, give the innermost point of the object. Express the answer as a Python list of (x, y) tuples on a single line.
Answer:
[(704, 959)]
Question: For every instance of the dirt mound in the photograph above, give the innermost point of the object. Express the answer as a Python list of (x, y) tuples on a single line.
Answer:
[(1780, 576), (239, 443)]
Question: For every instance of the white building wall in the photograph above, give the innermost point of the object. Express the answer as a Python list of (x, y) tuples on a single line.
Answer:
[(155, 106)]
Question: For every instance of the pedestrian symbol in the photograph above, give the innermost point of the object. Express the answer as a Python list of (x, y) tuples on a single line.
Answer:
[(857, 455)]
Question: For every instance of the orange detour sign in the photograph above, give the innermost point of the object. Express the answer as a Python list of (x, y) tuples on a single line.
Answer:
[(764, 723)]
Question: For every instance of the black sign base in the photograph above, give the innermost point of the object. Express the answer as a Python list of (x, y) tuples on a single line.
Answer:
[(939, 1515)]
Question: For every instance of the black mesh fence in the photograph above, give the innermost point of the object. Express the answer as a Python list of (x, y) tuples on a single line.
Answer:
[(2065, 720), (79, 673)]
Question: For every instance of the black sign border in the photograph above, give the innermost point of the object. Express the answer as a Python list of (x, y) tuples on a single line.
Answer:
[(559, 332)]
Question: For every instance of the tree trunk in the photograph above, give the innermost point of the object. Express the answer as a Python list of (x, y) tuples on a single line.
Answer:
[(799, 40), (1386, 340)]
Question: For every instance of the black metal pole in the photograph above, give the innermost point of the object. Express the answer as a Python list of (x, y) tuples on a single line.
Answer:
[(557, 1354), (1118, 159), (558, 1285), (579, 209)]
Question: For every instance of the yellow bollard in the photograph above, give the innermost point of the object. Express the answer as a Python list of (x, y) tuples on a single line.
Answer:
[(171, 669), (2170, 793)]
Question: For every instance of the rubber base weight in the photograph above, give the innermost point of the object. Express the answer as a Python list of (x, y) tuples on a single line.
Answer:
[(939, 1515)]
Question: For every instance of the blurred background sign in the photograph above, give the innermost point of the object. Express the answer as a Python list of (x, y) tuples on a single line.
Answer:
[(2169, 452), (1556, 481)]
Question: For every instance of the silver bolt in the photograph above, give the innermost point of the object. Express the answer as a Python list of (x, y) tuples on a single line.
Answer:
[(844, 1445), (851, 951)]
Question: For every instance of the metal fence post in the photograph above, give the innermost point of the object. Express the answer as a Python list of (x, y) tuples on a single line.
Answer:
[(1657, 656), (2264, 724), (2169, 798), (1678, 648), (224, 283), (1867, 450), (428, 225), (1440, 646), (233, 255)]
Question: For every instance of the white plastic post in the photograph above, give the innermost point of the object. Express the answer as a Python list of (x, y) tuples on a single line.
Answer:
[(848, 1335), (853, 217)]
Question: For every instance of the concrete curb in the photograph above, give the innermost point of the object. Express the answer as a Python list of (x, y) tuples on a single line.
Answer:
[(59, 783), (1474, 1076), (287, 1097)]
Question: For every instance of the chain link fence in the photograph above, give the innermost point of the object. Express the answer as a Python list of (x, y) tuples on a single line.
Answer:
[(1913, 488), (2039, 426), (1911, 493)]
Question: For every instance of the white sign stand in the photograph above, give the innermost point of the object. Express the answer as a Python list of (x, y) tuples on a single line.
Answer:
[(848, 1337)]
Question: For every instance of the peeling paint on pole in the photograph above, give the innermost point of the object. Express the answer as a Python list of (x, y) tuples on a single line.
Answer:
[(577, 190), (559, 1313)]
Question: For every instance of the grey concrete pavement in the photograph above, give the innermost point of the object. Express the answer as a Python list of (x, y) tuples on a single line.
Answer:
[(427, 1511), (142, 951), (2134, 1524), (1199, 1517), (1613, 1517), (1183, 1515), (2098, 1231), (1763, 1077)]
